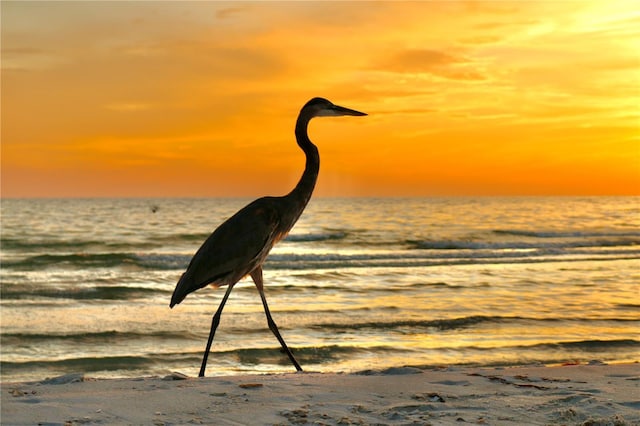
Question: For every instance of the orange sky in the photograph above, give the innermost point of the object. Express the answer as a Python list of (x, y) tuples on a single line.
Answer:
[(200, 98)]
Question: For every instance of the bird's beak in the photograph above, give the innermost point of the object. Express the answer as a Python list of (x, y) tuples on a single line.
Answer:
[(338, 110)]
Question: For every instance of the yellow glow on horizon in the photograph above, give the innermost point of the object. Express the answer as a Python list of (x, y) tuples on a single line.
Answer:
[(200, 98)]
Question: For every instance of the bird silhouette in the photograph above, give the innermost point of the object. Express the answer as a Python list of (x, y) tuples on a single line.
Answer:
[(240, 245)]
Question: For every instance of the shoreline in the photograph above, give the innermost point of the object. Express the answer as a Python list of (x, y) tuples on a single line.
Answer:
[(597, 394)]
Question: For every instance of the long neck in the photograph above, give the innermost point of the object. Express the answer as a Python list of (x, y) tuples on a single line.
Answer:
[(302, 192)]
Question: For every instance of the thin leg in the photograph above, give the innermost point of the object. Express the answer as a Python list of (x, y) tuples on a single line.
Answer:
[(214, 324), (256, 275)]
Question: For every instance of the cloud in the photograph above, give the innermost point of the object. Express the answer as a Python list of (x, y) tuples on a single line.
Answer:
[(420, 60), (27, 58), (128, 106), (21, 51), (229, 12), (434, 62), (481, 39)]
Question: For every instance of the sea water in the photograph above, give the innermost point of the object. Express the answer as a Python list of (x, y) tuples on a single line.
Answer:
[(360, 283)]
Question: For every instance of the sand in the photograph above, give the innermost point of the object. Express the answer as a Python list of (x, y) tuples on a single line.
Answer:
[(538, 395)]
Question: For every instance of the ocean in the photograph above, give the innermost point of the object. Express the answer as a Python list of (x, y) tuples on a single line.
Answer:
[(359, 284)]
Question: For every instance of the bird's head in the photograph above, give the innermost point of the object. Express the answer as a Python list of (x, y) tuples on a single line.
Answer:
[(320, 107)]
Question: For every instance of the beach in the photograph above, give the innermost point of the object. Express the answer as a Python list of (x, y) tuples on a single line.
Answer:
[(588, 394), (514, 311)]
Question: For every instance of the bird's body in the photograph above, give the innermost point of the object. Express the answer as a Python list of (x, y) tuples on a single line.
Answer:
[(240, 245), (252, 232)]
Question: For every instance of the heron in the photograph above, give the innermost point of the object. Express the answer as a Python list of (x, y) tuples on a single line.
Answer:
[(240, 245)]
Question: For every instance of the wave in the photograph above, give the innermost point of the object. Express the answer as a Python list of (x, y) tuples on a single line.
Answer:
[(149, 362), (82, 259), (306, 354), (251, 356), (521, 245), (485, 240), (115, 292), (630, 306), (589, 346), (100, 260), (493, 246), (23, 245), (592, 345), (425, 254), (550, 353), (404, 260), (328, 236), (100, 337), (441, 324), (450, 324), (87, 365), (567, 234)]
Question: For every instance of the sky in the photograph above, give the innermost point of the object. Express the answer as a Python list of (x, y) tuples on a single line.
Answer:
[(199, 99)]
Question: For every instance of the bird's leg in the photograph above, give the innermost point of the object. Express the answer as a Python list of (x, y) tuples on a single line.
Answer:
[(214, 324), (256, 275)]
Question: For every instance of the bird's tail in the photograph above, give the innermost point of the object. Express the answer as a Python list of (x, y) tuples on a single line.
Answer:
[(178, 294)]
